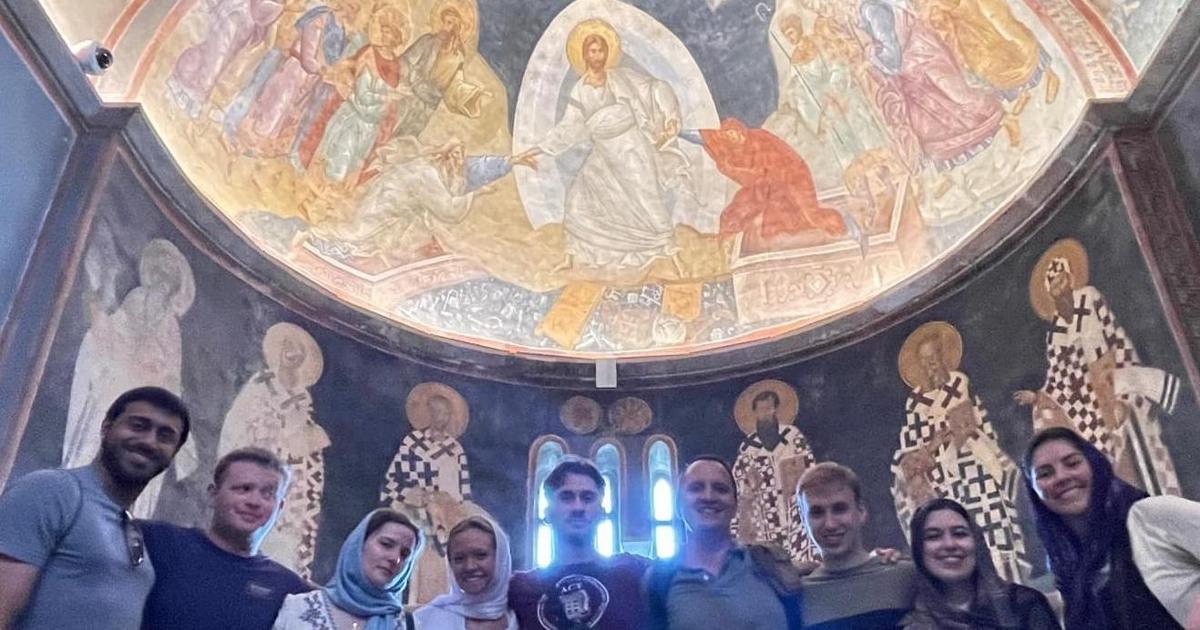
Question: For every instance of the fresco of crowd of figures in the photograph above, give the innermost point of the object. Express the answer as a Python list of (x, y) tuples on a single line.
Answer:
[(643, 178)]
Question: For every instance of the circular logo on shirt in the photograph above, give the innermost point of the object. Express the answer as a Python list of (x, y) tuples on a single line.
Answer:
[(574, 602)]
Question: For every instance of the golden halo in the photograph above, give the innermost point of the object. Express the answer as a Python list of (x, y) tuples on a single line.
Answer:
[(466, 10), (1076, 256), (789, 404), (581, 33), (947, 337), (272, 347), (418, 411)]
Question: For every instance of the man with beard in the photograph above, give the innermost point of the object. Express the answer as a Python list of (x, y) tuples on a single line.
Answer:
[(853, 589), (696, 589), (216, 578), (769, 463), (580, 589), (71, 556)]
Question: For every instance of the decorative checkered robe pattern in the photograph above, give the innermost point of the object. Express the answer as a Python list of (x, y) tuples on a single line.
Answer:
[(978, 474), (775, 514), (267, 414), (1096, 384)]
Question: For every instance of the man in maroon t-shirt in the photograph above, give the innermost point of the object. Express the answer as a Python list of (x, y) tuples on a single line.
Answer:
[(580, 589)]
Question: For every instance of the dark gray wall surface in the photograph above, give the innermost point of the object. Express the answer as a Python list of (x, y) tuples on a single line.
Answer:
[(34, 143)]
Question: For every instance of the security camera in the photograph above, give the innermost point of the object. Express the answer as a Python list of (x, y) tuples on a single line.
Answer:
[(92, 57)]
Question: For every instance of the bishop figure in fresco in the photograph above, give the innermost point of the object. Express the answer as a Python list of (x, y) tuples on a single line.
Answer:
[(948, 448), (274, 411), (1095, 382), (769, 464)]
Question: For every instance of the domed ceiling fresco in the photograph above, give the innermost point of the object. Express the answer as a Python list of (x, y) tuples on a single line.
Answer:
[(599, 177)]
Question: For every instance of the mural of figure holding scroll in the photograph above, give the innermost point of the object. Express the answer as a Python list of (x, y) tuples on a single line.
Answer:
[(135, 345), (769, 464), (429, 479), (274, 411), (618, 211), (434, 64), (1095, 382), (948, 447)]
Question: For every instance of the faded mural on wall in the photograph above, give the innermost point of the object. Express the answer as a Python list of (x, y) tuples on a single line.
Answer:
[(610, 177), (940, 404), (274, 411)]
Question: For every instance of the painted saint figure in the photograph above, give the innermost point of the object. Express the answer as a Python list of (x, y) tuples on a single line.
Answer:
[(273, 119), (1095, 382), (372, 99), (777, 198), (823, 111), (274, 411), (617, 212), (935, 116), (769, 464), (434, 64), (234, 26), (136, 345), (995, 46), (429, 478), (948, 448), (414, 190)]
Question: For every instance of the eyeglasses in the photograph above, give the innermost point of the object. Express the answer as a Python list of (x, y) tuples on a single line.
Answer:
[(134, 541)]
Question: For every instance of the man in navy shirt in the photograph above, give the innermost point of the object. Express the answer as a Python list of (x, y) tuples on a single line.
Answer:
[(214, 578)]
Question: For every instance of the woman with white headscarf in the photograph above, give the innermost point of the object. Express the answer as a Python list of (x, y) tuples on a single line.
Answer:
[(480, 565)]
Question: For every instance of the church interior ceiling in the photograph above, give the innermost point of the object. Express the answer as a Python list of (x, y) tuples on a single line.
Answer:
[(600, 177)]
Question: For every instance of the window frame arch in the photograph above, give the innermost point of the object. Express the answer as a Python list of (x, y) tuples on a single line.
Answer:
[(533, 517), (619, 485), (649, 477)]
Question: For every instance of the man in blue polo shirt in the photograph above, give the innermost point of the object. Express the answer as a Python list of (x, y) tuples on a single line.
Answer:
[(70, 554), (214, 578)]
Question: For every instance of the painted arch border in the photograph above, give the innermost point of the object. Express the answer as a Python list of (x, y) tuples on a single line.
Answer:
[(180, 202)]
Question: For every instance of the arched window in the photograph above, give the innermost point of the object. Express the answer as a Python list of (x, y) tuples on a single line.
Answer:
[(660, 479), (544, 455), (610, 462)]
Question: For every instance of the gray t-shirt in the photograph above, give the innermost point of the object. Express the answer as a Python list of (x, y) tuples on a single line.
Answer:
[(63, 522), (734, 599), (870, 596)]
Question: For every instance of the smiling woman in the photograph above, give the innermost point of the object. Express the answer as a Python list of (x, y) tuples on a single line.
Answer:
[(480, 564), (959, 588), (1081, 508)]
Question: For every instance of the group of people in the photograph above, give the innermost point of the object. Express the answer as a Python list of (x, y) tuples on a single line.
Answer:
[(71, 556)]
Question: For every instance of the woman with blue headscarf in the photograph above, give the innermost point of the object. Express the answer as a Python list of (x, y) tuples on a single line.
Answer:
[(480, 563), (373, 568), (1081, 508)]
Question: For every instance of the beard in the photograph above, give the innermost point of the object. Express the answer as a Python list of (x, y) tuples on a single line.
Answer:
[(123, 475)]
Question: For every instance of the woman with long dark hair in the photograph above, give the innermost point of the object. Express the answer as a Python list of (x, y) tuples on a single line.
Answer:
[(1081, 508), (959, 588)]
